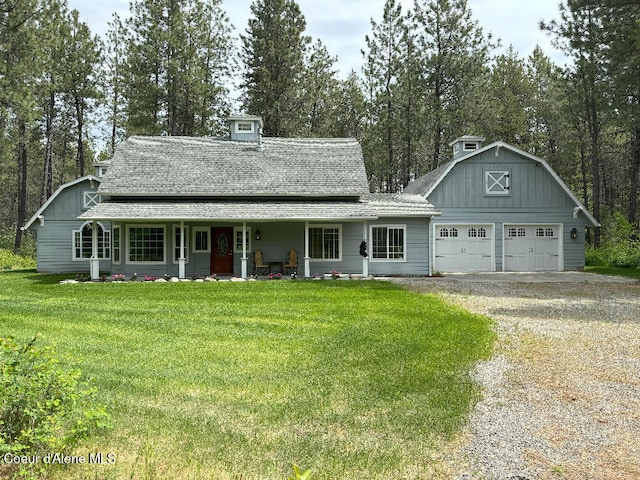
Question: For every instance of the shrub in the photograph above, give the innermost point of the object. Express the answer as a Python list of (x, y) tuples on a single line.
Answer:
[(9, 260), (44, 406)]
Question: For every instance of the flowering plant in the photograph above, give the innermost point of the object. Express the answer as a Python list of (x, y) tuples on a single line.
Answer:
[(118, 277), (275, 276), (150, 278), (334, 274)]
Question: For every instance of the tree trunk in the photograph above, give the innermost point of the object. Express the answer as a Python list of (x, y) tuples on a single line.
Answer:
[(634, 188), (22, 183), (80, 160), (47, 173)]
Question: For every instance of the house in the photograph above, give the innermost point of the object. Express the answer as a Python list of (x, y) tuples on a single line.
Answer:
[(64, 243), (184, 206), (503, 209)]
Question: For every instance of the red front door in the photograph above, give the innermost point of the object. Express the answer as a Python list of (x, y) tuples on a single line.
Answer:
[(222, 250)]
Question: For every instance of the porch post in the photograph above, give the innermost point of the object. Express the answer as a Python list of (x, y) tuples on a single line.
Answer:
[(182, 259), (307, 259), (94, 261), (243, 260), (365, 260)]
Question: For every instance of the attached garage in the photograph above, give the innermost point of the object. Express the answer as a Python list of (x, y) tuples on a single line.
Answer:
[(464, 248), (532, 248)]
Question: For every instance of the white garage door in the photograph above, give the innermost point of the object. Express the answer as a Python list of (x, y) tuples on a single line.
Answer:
[(463, 248), (531, 248)]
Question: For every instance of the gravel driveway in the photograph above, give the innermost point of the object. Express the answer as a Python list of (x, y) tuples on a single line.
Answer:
[(562, 392)]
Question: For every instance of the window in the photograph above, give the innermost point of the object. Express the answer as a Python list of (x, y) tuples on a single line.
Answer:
[(237, 233), (548, 232), (91, 199), (517, 232), (146, 244), (453, 232), (116, 244), (83, 242), (176, 244), (201, 240), (325, 242), (539, 232), (472, 233), (444, 232), (482, 232), (470, 146), (244, 127), (496, 182), (388, 242)]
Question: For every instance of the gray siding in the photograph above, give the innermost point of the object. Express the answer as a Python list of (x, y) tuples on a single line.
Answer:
[(278, 238), (531, 185), (55, 238), (535, 197)]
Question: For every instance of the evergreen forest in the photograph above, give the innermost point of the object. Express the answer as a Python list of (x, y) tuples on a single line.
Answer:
[(430, 73)]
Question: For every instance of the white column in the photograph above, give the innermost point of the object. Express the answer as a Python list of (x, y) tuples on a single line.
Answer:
[(182, 259), (365, 260), (94, 261), (243, 260), (307, 259)]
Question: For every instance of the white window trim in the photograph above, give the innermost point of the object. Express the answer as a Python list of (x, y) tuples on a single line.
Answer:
[(237, 248), (339, 227), (107, 238), (245, 122), (176, 245), (195, 230), (128, 261), (493, 178), (402, 227)]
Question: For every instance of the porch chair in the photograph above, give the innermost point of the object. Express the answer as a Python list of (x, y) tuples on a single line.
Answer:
[(260, 264), (291, 264)]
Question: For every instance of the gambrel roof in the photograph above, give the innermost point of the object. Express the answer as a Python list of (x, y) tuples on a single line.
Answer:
[(212, 167), (426, 184), (52, 198)]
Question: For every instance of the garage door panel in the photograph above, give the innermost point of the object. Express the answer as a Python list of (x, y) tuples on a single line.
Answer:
[(464, 248), (529, 248)]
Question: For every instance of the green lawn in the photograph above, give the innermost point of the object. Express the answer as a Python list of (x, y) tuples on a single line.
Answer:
[(623, 272), (351, 379)]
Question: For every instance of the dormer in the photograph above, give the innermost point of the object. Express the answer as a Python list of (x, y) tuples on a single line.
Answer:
[(465, 145), (245, 128)]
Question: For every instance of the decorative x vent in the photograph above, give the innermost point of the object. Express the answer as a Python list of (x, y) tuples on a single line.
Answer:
[(91, 199), (496, 182)]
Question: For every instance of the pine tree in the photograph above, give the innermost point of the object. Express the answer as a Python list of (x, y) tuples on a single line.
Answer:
[(273, 53), (385, 65), (453, 53), (180, 56)]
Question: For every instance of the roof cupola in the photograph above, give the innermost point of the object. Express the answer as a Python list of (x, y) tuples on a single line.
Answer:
[(246, 128), (465, 145)]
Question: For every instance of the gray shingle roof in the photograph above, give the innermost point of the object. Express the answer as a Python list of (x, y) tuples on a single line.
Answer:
[(176, 166), (229, 210), (370, 207)]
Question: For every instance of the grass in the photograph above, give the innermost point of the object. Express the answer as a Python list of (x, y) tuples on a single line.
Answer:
[(622, 272), (220, 380)]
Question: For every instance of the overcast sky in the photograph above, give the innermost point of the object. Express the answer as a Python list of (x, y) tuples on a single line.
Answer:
[(343, 24)]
